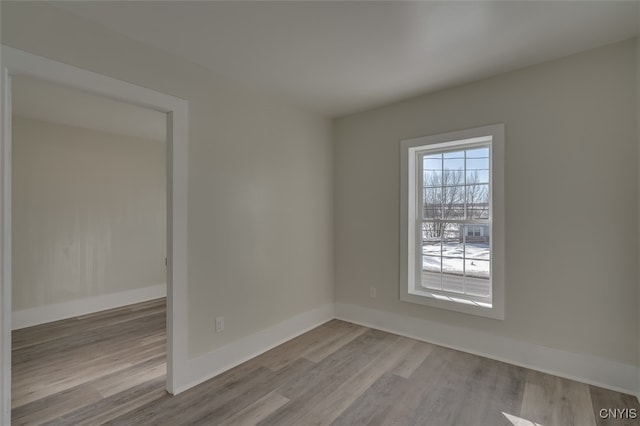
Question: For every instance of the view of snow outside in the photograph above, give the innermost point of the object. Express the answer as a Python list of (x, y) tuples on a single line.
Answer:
[(462, 268), (456, 256), (475, 256)]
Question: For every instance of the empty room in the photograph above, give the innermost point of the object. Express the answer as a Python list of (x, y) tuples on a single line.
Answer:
[(88, 234), (363, 212)]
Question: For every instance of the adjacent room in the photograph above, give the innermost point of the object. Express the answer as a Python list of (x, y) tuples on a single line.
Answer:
[(320, 213), (89, 235)]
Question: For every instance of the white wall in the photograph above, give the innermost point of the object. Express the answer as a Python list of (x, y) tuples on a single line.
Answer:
[(89, 213), (571, 201), (260, 178)]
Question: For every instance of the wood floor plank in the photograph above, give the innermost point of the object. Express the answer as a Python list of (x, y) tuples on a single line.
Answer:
[(415, 357), (407, 401), (109, 368), (89, 393), (323, 379), (451, 387), (186, 409), (85, 347), (125, 379), (452, 382), (55, 330), (42, 384), (327, 410), (257, 411), (216, 401), (338, 365), (53, 406), (107, 408), (372, 406), (235, 402), (306, 343), (317, 354), (552, 400), (604, 399), (493, 391)]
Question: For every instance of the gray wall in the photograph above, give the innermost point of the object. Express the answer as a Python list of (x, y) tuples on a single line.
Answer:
[(89, 213), (260, 178), (571, 200)]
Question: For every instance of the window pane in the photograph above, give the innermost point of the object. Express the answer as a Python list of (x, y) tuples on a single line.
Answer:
[(432, 178), (477, 196), (454, 164), (452, 279), (477, 260), (453, 177), (452, 242), (432, 170), (476, 279), (477, 238), (453, 202), (477, 268), (432, 161), (431, 236), (452, 258), (476, 249), (451, 231), (478, 158), (453, 161), (477, 201), (432, 212), (432, 198), (478, 153), (452, 266), (431, 264), (453, 155), (477, 286), (430, 279), (475, 176)]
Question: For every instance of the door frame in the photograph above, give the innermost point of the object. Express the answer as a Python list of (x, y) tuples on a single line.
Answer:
[(17, 62)]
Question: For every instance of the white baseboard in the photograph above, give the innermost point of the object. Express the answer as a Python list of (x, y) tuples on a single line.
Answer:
[(220, 360), (74, 308), (580, 367)]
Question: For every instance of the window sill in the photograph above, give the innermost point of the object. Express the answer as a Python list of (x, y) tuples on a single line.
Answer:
[(452, 303)]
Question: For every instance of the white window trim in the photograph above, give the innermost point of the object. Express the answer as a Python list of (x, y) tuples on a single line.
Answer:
[(408, 220)]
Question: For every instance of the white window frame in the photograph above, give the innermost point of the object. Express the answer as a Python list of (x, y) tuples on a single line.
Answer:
[(410, 291)]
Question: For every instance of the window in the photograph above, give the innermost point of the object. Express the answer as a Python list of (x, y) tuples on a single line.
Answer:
[(474, 231), (452, 217)]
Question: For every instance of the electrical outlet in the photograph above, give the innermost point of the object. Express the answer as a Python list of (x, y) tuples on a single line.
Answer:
[(372, 292), (219, 324)]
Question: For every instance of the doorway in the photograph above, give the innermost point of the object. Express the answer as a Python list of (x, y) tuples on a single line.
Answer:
[(15, 63), (88, 249)]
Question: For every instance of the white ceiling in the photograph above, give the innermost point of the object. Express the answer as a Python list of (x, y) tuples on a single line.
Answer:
[(43, 100), (341, 57)]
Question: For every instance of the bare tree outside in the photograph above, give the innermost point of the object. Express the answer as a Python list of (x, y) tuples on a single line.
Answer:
[(445, 194)]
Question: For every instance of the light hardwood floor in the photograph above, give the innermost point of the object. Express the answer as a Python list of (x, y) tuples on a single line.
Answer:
[(110, 368)]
